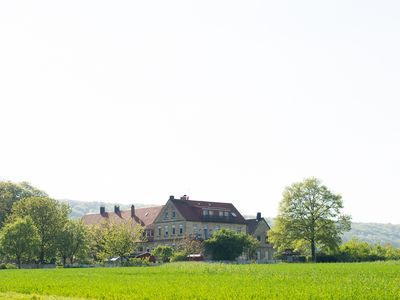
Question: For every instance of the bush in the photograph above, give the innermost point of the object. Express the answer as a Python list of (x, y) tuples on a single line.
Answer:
[(5, 266), (136, 262), (179, 256)]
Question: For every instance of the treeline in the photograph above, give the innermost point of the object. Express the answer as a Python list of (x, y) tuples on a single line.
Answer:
[(359, 251), (35, 229)]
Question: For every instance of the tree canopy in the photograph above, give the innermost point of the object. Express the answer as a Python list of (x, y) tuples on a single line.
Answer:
[(19, 240), (309, 214), (49, 217), (11, 192), (227, 244)]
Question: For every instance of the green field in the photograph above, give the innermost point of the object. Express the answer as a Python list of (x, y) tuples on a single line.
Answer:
[(208, 281)]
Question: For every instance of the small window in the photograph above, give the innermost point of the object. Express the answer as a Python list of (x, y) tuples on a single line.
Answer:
[(221, 213), (205, 212), (195, 229), (173, 214), (180, 229), (166, 215), (166, 230), (210, 212), (226, 214), (173, 229), (159, 230)]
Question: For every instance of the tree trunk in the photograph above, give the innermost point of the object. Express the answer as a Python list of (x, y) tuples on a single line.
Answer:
[(313, 256), (41, 256), (64, 261), (19, 262)]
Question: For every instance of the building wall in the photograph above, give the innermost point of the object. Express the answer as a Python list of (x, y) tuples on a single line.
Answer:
[(265, 251)]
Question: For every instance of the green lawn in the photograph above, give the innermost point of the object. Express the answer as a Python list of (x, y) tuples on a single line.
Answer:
[(208, 281)]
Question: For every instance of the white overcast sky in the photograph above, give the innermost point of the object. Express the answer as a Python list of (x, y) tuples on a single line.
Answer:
[(133, 101)]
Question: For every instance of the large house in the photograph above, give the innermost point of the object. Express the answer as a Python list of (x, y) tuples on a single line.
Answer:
[(178, 218)]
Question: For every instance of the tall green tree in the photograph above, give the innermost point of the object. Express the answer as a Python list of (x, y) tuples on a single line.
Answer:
[(71, 239), (49, 217), (11, 192), (112, 239), (309, 213), (228, 245), (19, 240)]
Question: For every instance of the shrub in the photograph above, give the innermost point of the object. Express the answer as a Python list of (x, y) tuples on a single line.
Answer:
[(136, 262), (179, 256)]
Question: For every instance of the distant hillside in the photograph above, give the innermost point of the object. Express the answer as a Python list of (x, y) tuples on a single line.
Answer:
[(81, 208), (370, 232), (375, 233)]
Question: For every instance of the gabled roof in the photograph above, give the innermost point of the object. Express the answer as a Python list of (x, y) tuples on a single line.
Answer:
[(252, 224), (144, 216), (192, 210)]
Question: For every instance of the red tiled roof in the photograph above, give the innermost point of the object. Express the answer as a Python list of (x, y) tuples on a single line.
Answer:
[(144, 216), (192, 210)]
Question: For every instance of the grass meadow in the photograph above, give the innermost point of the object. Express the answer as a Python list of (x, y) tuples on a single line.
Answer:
[(208, 281)]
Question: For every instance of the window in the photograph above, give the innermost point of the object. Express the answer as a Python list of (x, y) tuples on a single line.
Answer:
[(205, 212), (166, 215), (173, 229), (180, 229), (210, 212), (239, 229), (195, 229), (166, 230), (221, 213), (173, 214), (226, 214), (205, 231), (159, 230), (259, 238)]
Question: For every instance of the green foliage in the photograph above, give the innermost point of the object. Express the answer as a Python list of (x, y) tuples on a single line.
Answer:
[(309, 213), (179, 256), (7, 266), (164, 253), (136, 262), (71, 240), (49, 217), (19, 240), (12, 192), (114, 239), (228, 245), (356, 251), (212, 281), (189, 245)]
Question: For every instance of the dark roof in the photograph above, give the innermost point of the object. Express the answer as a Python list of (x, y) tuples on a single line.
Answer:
[(253, 223), (192, 210), (144, 216)]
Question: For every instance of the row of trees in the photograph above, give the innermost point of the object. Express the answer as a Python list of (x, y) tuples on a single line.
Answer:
[(310, 222), (36, 228)]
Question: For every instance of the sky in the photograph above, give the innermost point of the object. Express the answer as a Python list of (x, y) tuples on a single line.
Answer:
[(133, 101)]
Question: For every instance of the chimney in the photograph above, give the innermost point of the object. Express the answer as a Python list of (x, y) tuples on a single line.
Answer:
[(132, 211), (171, 197), (116, 209), (102, 210), (258, 216)]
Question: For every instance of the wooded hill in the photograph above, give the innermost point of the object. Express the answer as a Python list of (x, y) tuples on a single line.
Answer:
[(369, 232)]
